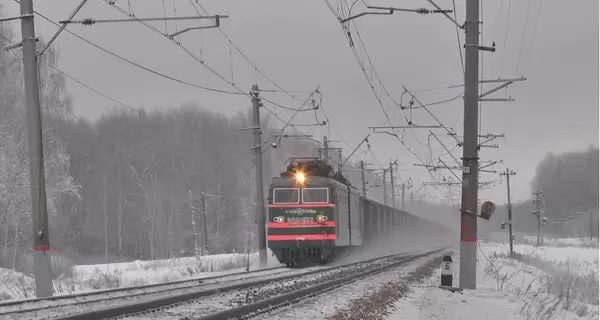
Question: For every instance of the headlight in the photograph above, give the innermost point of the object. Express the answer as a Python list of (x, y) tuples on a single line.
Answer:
[(300, 177), (278, 219), (321, 218)]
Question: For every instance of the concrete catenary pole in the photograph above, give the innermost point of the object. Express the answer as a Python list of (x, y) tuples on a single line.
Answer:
[(362, 179), (260, 199), (37, 183), (193, 215), (592, 224), (325, 149), (468, 232), (402, 203), (385, 193), (392, 184), (509, 173), (204, 226), (538, 201)]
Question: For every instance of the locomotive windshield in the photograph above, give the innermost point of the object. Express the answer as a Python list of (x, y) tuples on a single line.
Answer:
[(315, 195), (286, 195)]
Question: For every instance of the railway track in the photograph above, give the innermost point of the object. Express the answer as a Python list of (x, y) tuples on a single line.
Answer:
[(254, 310), (236, 298), (26, 307)]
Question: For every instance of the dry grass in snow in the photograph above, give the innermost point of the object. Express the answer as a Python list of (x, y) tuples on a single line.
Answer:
[(16, 285), (530, 286), (377, 305)]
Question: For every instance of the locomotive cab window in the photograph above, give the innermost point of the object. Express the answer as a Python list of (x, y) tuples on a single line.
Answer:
[(286, 195), (315, 195)]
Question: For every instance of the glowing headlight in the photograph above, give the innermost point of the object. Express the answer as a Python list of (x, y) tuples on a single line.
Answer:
[(300, 177), (278, 219), (321, 218)]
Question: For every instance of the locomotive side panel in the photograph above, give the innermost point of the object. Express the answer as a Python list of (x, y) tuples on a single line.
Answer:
[(356, 214), (341, 215)]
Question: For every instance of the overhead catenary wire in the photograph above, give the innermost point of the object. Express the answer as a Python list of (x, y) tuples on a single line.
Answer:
[(460, 53), (131, 62), (535, 24), (246, 58), (382, 85), (193, 56), (72, 78), (364, 72), (89, 87), (231, 43), (138, 65), (504, 44), (348, 35), (177, 43), (523, 36)]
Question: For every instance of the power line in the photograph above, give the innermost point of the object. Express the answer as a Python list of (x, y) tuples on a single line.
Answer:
[(523, 36), (88, 87), (274, 83), (80, 83), (362, 67), (132, 17), (535, 24), (138, 65), (247, 59), (505, 35), (460, 53), (240, 92)]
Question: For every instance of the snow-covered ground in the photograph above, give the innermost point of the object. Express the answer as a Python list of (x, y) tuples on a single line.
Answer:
[(544, 283), (16, 285), (561, 242), (550, 282)]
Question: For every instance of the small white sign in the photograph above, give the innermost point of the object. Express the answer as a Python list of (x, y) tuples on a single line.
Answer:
[(466, 169), (447, 268)]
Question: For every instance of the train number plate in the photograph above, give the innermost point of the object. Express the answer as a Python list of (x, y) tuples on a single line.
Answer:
[(300, 219)]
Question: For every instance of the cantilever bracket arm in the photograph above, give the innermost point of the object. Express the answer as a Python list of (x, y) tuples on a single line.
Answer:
[(446, 15), (504, 85), (216, 25), (419, 10), (364, 14), (366, 139), (390, 11), (90, 21), (386, 132), (16, 18)]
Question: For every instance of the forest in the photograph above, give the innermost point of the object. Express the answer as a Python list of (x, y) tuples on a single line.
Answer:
[(569, 185), (132, 184)]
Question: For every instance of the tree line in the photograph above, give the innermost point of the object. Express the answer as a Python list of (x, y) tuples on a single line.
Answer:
[(569, 185), (132, 184)]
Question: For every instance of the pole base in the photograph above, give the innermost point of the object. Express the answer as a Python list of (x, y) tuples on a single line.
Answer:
[(468, 265), (43, 275)]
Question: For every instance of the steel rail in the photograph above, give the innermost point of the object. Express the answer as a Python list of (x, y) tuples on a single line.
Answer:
[(132, 291), (175, 299), (265, 306)]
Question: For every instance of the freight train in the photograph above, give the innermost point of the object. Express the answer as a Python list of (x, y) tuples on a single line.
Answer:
[(315, 215)]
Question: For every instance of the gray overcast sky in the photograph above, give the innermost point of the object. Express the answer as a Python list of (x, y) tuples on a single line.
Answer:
[(299, 45)]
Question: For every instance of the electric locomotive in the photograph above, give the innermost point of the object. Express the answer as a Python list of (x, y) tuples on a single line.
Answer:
[(313, 214)]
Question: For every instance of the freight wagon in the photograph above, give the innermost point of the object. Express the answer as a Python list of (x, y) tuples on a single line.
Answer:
[(314, 215)]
